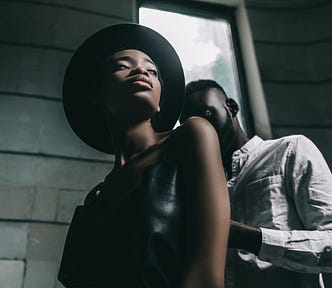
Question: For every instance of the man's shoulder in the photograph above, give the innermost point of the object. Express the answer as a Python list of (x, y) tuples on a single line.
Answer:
[(290, 140), (283, 146), (295, 146)]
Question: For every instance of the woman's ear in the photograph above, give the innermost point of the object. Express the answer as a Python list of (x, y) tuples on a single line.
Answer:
[(158, 108), (232, 106)]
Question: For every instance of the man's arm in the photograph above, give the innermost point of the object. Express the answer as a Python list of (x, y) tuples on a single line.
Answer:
[(308, 249), (244, 237), (298, 250)]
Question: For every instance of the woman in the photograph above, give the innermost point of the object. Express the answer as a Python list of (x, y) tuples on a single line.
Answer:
[(161, 217)]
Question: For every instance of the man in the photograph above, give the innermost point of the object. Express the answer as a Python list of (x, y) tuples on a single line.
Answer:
[(281, 198)]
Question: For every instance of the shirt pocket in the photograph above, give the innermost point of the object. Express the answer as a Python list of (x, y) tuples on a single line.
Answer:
[(265, 203)]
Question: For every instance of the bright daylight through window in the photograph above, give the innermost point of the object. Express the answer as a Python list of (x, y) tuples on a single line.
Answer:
[(205, 47)]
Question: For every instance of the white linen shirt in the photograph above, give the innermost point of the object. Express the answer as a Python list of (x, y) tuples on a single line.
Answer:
[(283, 186)]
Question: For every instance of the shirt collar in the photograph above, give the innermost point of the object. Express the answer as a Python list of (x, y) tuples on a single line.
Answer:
[(241, 155), (249, 147)]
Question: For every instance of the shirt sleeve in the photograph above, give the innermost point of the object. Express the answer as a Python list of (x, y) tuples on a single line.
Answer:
[(309, 184)]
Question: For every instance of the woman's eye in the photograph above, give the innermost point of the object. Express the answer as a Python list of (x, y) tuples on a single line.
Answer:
[(153, 72), (120, 67)]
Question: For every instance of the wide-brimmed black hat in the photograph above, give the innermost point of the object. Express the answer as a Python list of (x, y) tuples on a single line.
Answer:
[(84, 74)]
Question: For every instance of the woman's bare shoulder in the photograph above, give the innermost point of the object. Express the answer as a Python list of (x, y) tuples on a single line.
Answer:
[(196, 128), (194, 135)]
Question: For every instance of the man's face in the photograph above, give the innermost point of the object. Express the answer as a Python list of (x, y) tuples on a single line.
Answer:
[(210, 104)]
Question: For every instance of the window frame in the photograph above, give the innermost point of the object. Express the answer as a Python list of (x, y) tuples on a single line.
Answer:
[(253, 99)]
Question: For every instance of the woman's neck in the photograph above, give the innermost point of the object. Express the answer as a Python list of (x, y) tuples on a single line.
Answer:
[(132, 140)]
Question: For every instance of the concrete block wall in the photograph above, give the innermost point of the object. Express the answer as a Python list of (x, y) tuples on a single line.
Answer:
[(45, 169), (293, 45)]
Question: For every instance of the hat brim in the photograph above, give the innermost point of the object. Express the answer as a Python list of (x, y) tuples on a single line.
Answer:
[(87, 119)]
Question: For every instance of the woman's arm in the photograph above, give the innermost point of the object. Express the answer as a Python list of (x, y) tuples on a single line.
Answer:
[(207, 204)]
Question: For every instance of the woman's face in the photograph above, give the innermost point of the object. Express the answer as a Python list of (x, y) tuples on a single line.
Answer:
[(130, 87)]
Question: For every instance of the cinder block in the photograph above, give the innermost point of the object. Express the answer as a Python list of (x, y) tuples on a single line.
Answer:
[(18, 136), (21, 170), (261, 24), (308, 100), (57, 137), (68, 200), (18, 170), (44, 204), (284, 63), (271, 24), (121, 8), (34, 82), (32, 70), (24, 22), (13, 241), (32, 58), (11, 273), (70, 174), (40, 274), (317, 22), (19, 123), (322, 61), (36, 125), (292, 25), (268, 59), (16, 202), (79, 27), (46, 242)]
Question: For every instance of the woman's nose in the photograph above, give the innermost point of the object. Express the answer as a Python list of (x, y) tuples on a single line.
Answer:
[(139, 70)]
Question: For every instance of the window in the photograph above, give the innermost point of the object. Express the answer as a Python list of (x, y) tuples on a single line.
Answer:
[(205, 38)]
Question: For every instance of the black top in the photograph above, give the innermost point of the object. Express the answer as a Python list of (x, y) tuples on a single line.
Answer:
[(135, 244)]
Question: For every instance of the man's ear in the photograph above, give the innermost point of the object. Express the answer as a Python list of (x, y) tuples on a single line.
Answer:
[(232, 106)]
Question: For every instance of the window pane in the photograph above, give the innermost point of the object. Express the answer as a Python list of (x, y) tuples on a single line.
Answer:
[(205, 47)]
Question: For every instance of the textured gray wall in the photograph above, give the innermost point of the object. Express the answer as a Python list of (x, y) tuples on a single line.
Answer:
[(293, 42), (45, 169)]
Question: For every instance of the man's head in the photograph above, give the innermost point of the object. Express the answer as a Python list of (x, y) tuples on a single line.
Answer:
[(207, 99)]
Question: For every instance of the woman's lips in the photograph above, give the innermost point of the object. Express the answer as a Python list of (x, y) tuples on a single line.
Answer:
[(141, 80)]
